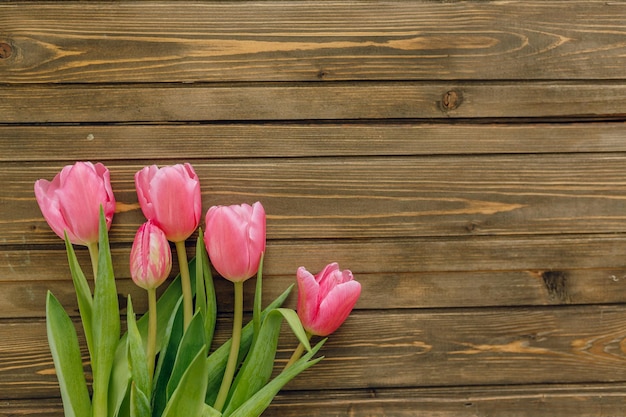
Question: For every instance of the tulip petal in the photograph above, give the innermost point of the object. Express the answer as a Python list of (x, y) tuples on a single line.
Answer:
[(336, 307), (308, 292)]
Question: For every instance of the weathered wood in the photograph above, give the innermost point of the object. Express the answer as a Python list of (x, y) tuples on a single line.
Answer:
[(465, 159), (299, 40), (373, 197), (412, 348), (382, 291), (188, 141), (404, 274), (519, 401), (138, 103)]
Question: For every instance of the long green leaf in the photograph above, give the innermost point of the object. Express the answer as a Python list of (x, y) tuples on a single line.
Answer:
[(139, 402), (188, 398), (167, 357), (211, 301), (105, 324), (167, 305), (217, 360), (201, 301), (192, 341), (256, 404), (296, 326), (137, 358), (258, 366), (68, 363), (83, 293)]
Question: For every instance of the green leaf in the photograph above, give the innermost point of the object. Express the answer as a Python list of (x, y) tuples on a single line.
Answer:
[(139, 402), (258, 365), (209, 411), (193, 339), (211, 307), (137, 358), (201, 300), (167, 305), (217, 360), (173, 335), (83, 293), (296, 326), (105, 324), (188, 398), (258, 300), (256, 404), (68, 363)]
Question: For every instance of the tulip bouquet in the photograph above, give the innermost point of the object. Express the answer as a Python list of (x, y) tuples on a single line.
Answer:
[(165, 363)]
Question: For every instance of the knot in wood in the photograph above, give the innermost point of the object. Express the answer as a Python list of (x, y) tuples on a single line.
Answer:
[(5, 50), (451, 100)]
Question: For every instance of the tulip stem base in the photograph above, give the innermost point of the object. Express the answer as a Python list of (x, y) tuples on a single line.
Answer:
[(185, 282), (231, 365), (297, 353)]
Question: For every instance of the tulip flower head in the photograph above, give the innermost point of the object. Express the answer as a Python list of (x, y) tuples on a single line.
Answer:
[(170, 197), (235, 239), (326, 299), (150, 257), (71, 202)]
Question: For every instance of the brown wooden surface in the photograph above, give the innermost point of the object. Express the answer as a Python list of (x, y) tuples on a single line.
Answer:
[(466, 159)]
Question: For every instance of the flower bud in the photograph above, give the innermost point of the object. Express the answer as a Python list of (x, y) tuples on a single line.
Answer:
[(150, 257), (71, 201), (326, 299), (170, 197), (235, 239)]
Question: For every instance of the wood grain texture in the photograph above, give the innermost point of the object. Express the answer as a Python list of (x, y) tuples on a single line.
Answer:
[(465, 159), (519, 401), (159, 41), (418, 273), (331, 101), (411, 349), (277, 140), (373, 197)]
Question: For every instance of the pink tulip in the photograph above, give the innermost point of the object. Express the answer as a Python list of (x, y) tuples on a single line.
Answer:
[(150, 257), (170, 197), (71, 202), (326, 299), (235, 239)]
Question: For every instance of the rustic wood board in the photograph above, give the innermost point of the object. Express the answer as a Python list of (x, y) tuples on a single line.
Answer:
[(478, 347), (299, 40), (466, 159), (307, 101), (374, 197)]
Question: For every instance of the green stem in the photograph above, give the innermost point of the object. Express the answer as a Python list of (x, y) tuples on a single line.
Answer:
[(297, 353), (185, 282), (229, 373), (152, 331), (93, 254)]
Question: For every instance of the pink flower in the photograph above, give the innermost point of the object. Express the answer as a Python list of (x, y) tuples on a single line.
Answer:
[(235, 239), (170, 197), (150, 257), (71, 202), (326, 299)]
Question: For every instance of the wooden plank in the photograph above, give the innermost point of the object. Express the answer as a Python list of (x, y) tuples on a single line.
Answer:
[(376, 256), (298, 40), (332, 101), (519, 401), (68, 143), (381, 291), (411, 349), (372, 197)]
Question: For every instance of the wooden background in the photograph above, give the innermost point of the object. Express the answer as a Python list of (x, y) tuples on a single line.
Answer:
[(466, 160)]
